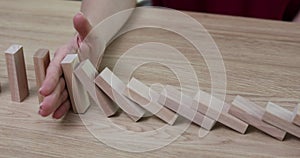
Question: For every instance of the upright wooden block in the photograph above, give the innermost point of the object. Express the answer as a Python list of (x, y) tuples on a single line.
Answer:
[(114, 88), (296, 119), (181, 104), (78, 96), (17, 76), (147, 98), (86, 74), (281, 118), (41, 60), (217, 110), (251, 113)]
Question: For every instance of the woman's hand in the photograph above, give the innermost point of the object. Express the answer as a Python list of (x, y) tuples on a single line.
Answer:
[(56, 99)]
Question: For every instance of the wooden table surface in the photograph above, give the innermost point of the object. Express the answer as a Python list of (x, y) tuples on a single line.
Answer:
[(262, 64)]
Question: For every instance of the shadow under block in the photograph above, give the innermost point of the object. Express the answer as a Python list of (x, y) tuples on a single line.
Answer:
[(251, 113), (115, 88), (147, 98), (41, 60), (281, 118), (181, 104), (17, 76), (217, 110), (78, 96), (296, 119), (86, 74)]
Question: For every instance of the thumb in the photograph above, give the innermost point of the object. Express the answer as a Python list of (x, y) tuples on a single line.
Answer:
[(82, 25)]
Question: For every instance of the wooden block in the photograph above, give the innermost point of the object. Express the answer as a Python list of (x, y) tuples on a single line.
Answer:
[(17, 76), (217, 110), (281, 118), (147, 98), (41, 60), (78, 96), (114, 88), (181, 104), (251, 113), (86, 74), (296, 119)]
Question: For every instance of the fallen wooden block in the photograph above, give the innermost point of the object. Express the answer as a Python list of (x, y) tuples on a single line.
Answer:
[(147, 98), (281, 118), (114, 88), (78, 96), (217, 110), (296, 114), (17, 76), (41, 60), (181, 104), (251, 113), (86, 74)]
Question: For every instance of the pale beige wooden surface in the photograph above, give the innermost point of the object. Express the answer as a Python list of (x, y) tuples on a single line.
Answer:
[(261, 58)]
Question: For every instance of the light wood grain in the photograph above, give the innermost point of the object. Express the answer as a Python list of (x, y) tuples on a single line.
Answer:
[(16, 69), (251, 113), (262, 64), (281, 118), (148, 99), (217, 110), (86, 74), (78, 96), (41, 60), (181, 104), (114, 88), (296, 115)]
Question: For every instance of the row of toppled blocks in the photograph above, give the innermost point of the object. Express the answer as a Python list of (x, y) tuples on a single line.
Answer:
[(136, 98)]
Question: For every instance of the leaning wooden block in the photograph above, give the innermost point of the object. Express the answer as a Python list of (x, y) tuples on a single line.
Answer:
[(147, 98), (114, 88), (79, 98), (17, 76), (86, 74), (217, 110), (296, 119), (251, 113), (281, 118), (41, 60), (181, 104)]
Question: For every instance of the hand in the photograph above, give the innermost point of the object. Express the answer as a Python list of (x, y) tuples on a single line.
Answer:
[(56, 99)]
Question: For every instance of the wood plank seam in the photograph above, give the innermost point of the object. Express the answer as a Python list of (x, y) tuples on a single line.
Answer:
[(86, 74), (181, 104), (147, 99), (281, 118), (252, 114), (217, 110), (41, 60), (114, 88), (17, 76)]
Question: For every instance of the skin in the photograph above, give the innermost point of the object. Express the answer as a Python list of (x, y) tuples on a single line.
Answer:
[(297, 18), (56, 101)]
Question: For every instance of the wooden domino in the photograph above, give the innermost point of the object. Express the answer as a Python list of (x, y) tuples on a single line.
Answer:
[(217, 110), (78, 96), (17, 76), (86, 74), (147, 98), (114, 88), (296, 119), (181, 104), (41, 60), (281, 118), (251, 113)]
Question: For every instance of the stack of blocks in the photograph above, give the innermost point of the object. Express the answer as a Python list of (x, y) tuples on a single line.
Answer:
[(136, 98)]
